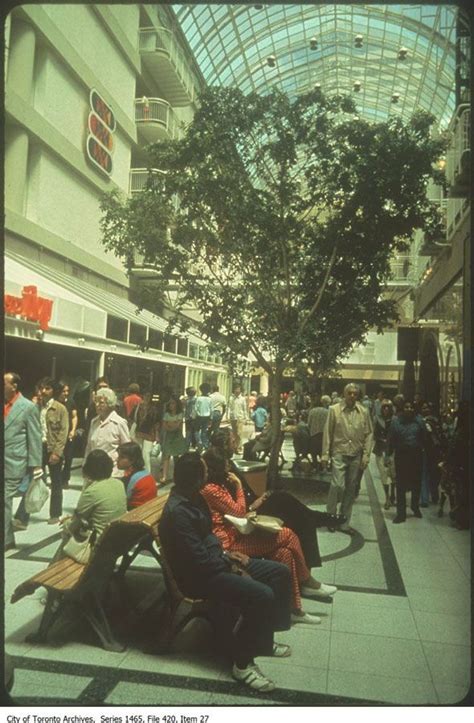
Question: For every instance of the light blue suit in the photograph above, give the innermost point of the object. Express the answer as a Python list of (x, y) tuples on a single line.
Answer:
[(23, 449)]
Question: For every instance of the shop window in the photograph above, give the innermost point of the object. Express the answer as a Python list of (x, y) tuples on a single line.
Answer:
[(137, 334), (183, 347), (116, 328), (202, 353), (193, 351), (155, 339), (170, 343)]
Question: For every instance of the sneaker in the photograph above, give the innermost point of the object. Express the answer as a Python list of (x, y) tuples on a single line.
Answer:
[(323, 591), (254, 678), (18, 526), (305, 618), (280, 650), (396, 520)]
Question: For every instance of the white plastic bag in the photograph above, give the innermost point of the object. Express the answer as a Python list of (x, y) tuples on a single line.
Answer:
[(36, 495)]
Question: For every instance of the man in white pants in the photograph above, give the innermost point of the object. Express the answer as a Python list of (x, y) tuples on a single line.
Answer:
[(237, 410), (347, 440)]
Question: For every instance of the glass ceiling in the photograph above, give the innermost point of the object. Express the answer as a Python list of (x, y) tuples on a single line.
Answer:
[(231, 44)]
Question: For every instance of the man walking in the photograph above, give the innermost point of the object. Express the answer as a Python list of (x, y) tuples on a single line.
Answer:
[(347, 440), (22, 446), (55, 429), (258, 589), (237, 410), (218, 408)]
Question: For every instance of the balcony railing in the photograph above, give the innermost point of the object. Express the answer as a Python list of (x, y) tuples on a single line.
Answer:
[(457, 210), (403, 270), (459, 149), (142, 178), (160, 43), (156, 117)]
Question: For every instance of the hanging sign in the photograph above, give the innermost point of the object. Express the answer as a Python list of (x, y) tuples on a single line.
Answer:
[(30, 306), (101, 125)]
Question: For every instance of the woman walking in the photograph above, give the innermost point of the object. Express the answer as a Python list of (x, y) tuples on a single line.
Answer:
[(384, 464)]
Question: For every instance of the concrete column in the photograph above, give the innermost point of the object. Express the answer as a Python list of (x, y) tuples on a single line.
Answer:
[(21, 59), (16, 166), (101, 365)]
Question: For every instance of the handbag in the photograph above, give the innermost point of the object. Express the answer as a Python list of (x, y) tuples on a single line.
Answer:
[(36, 494), (79, 550), (82, 538), (252, 521), (265, 522)]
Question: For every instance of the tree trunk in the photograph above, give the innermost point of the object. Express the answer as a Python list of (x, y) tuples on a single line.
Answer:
[(275, 391)]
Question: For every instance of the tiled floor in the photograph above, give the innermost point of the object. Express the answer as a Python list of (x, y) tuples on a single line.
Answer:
[(398, 631)]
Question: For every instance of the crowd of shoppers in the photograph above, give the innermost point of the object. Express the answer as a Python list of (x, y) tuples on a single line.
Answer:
[(205, 530)]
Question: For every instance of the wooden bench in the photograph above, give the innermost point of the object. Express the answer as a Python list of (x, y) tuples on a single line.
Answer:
[(70, 583)]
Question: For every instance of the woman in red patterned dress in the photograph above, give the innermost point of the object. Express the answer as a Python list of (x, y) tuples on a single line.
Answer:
[(224, 496)]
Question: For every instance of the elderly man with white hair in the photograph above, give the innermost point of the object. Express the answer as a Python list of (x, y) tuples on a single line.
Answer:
[(108, 429), (347, 441)]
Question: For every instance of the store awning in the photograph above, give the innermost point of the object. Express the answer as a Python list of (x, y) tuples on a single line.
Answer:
[(77, 306)]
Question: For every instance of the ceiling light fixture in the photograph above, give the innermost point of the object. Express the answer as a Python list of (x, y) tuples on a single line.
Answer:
[(313, 43), (395, 97), (402, 54), (357, 86), (358, 41), (271, 61)]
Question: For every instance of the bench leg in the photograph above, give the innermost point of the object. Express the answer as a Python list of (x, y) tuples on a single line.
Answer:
[(51, 613), (177, 616), (95, 615), (127, 559)]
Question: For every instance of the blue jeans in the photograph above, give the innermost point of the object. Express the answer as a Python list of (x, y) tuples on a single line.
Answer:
[(191, 432), (202, 424), (216, 417)]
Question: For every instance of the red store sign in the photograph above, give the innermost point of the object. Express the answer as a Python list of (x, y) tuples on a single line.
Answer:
[(101, 125), (30, 306)]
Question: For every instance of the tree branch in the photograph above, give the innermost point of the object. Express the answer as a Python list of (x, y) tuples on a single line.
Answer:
[(314, 308)]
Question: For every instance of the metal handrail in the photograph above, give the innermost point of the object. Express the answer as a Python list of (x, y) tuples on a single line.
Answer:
[(157, 110), (159, 39)]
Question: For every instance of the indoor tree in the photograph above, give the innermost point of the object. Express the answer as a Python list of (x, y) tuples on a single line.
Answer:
[(276, 218)]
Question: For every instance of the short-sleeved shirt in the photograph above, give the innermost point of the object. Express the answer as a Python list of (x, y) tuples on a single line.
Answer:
[(203, 406)]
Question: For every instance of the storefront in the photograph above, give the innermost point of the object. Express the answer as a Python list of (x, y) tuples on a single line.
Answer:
[(60, 326)]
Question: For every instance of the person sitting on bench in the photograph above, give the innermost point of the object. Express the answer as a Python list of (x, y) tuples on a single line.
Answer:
[(140, 485), (259, 589), (297, 516), (102, 500)]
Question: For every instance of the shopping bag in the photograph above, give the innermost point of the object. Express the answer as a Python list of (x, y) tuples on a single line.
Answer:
[(36, 495)]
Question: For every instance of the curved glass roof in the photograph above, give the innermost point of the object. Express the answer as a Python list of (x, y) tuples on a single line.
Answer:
[(231, 44)]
